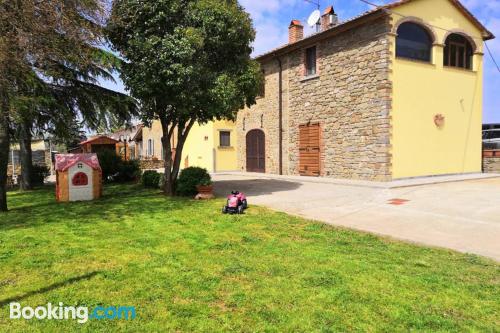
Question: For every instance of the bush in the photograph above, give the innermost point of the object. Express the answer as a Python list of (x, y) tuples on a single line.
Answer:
[(151, 178), (128, 171), (190, 178), (115, 169), (110, 164), (38, 174)]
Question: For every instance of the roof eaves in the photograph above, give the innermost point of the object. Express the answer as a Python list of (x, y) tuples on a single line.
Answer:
[(344, 26)]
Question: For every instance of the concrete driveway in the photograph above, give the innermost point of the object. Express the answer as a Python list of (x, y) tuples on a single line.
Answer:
[(464, 216)]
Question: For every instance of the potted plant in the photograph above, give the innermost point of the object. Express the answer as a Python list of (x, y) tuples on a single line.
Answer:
[(205, 187), (195, 181)]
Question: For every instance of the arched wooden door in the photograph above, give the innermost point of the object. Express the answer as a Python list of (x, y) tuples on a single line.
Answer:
[(256, 151)]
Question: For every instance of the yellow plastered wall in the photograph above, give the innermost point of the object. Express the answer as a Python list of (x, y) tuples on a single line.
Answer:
[(198, 149), (35, 145), (226, 157), (153, 133), (202, 146), (422, 90)]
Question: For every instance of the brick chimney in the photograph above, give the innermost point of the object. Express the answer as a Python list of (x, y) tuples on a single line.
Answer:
[(295, 32), (329, 19)]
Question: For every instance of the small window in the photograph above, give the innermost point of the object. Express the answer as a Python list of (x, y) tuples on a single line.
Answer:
[(151, 147), (413, 42), (458, 52), (80, 179), (225, 139), (311, 61)]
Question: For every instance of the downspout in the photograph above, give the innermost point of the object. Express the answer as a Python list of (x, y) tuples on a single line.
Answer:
[(280, 117)]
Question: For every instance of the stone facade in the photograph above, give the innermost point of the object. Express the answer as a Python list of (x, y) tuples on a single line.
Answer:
[(151, 164), (491, 162), (350, 97)]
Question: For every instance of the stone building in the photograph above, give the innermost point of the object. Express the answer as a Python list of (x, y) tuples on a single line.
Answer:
[(393, 93)]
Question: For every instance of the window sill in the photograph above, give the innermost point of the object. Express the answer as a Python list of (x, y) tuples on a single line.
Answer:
[(460, 69), (309, 78), (225, 148), (416, 61)]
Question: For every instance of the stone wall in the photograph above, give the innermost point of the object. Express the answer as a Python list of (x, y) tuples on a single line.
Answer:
[(350, 98), (151, 164), (491, 161), (265, 116)]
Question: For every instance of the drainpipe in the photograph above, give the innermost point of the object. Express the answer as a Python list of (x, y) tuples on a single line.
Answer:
[(280, 126)]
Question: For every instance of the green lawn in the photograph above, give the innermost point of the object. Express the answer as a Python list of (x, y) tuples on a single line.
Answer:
[(186, 267)]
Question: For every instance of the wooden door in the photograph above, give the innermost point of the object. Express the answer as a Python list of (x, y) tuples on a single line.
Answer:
[(309, 148), (256, 151)]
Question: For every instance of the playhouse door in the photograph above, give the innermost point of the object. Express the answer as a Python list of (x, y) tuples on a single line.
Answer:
[(81, 183)]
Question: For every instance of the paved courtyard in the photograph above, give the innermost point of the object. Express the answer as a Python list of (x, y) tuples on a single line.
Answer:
[(464, 216)]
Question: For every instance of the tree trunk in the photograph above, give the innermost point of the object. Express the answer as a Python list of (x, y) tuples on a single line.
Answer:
[(181, 140), (26, 157), (169, 185), (4, 150)]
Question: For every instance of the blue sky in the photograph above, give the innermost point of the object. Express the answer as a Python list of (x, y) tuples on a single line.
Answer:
[(272, 17)]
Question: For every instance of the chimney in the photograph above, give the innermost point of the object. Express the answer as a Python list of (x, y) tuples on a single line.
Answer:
[(329, 19), (295, 32)]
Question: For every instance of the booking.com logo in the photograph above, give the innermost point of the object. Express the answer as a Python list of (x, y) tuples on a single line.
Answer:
[(81, 313)]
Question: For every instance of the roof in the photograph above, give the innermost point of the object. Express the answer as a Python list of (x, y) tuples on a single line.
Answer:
[(132, 132), (66, 161), (367, 16), (97, 138), (138, 134)]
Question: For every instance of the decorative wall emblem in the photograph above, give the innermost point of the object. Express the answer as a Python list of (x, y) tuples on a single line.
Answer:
[(439, 120)]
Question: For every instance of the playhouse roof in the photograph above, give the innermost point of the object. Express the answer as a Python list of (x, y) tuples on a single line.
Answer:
[(66, 161), (99, 137)]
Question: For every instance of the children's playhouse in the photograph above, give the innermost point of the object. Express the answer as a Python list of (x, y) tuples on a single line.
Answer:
[(78, 177)]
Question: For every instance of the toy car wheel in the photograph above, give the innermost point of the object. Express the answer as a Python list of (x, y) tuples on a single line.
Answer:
[(240, 209), (224, 210), (245, 204)]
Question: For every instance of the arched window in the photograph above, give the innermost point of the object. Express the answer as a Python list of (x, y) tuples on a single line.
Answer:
[(413, 42), (458, 52), (80, 179)]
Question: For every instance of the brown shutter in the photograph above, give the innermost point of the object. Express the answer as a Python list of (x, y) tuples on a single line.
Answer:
[(309, 150)]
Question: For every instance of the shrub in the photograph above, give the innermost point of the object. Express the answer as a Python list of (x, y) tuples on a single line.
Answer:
[(115, 169), (110, 164), (128, 171), (190, 178), (38, 174), (151, 178)]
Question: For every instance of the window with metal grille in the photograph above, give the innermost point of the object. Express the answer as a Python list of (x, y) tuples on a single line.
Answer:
[(458, 52), (225, 139), (311, 61), (80, 179)]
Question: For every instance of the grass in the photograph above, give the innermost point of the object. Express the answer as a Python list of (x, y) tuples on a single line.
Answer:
[(186, 267)]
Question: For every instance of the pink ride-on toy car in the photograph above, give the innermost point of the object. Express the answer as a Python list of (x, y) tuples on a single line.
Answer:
[(236, 203)]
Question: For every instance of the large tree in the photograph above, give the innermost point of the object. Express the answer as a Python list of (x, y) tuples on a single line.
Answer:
[(52, 47), (53, 108), (187, 61)]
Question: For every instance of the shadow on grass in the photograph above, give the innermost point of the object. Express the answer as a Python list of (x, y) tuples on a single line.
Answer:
[(254, 187), (51, 287), (118, 201)]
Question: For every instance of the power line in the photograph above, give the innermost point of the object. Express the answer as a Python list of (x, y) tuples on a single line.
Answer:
[(316, 3), (406, 16), (491, 55)]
